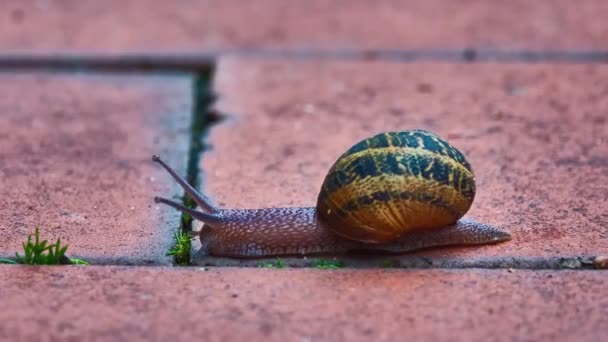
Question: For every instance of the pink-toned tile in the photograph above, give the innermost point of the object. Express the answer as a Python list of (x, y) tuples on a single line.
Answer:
[(156, 304), (90, 26), (75, 160), (535, 135)]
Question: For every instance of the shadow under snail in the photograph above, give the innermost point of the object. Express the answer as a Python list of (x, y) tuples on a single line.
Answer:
[(394, 192)]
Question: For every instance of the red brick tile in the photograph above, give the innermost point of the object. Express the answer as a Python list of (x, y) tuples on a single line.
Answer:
[(75, 160), (176, 26), (118, 303), (535, 135)]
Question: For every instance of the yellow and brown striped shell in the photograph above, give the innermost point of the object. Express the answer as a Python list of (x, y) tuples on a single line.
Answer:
[(395, 182)]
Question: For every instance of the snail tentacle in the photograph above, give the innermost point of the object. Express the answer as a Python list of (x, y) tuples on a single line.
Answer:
[(201, 200), (205, 217)]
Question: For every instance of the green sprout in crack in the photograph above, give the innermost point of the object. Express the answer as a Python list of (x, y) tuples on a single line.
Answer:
[(181, 247), (38, 252), (279, 263), (324, 264)]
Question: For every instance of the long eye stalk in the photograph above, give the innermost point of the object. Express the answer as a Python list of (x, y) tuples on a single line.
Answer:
[(203, 202), (205, 217)]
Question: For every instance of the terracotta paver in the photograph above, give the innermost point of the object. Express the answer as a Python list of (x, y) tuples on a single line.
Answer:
[(535, 135), (75, 160), (196, 26), (123, 304)]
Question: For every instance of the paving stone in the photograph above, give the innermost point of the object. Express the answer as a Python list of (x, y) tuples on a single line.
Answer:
[(534, 134), (118, 26), (123, 304), (75, 160)]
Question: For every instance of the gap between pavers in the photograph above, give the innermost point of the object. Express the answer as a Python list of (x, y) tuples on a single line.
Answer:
[(533, 133), (101, 303), (75, 159)]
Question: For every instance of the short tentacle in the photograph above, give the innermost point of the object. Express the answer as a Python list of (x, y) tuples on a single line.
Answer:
[(203, 202), (209, 218)]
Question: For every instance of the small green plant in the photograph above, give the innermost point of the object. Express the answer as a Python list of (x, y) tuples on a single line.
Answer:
[(38, 252), (325, 264), (181, 247), (279, 263)]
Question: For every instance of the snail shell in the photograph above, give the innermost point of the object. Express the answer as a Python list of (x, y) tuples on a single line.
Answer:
[(395, 182)]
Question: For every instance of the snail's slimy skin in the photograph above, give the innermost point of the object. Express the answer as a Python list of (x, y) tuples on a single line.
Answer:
[(271, 232), (392, 193), (257, 233)]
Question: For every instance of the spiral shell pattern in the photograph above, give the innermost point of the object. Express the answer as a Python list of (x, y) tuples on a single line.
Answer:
[(396, 182)]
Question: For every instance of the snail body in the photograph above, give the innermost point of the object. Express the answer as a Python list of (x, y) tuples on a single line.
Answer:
[(394, 192)]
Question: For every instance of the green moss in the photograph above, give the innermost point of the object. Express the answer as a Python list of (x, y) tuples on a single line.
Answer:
[(325, 264), (390, 263), (279, 263)]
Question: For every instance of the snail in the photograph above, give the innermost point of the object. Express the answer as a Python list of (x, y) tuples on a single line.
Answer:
[(394, 192)]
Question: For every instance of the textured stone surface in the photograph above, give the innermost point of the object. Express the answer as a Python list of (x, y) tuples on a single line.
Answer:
[(186, 26), (126, 304), (535, 135), (75, 160)]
